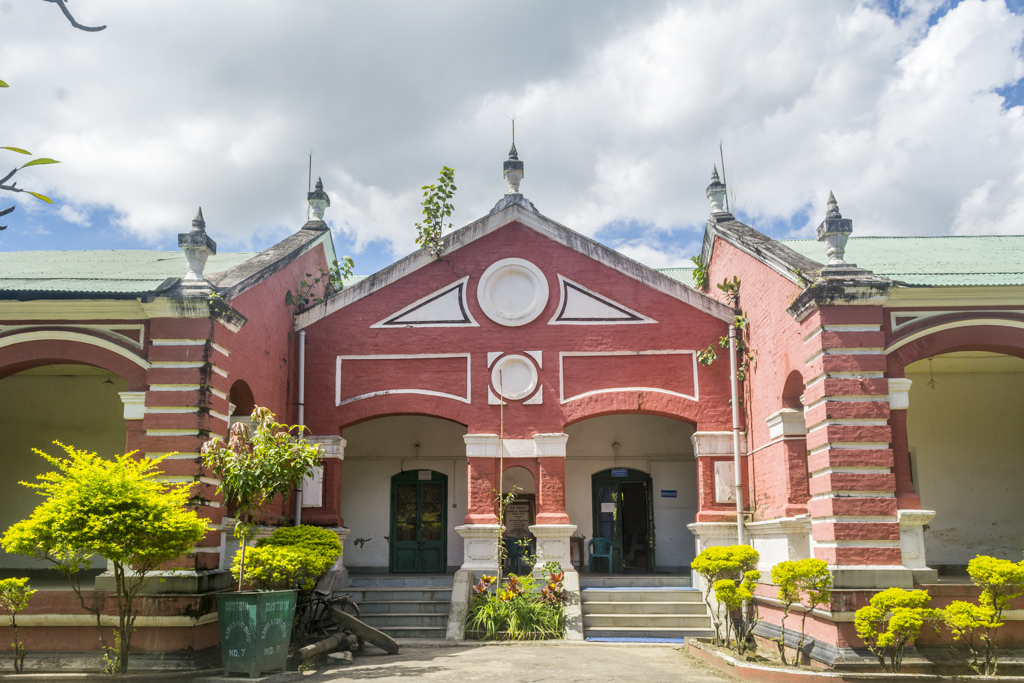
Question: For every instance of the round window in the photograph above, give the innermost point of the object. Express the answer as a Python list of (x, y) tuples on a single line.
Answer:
[(512, 292), (514, 377)]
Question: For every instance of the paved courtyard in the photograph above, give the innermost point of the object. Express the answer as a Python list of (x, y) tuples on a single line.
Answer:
[(524, 663)]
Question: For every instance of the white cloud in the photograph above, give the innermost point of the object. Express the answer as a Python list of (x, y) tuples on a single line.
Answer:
[(74, 214), (620, 111)]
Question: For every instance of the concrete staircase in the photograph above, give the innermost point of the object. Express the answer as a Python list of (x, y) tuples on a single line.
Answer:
[(642, 607), (403, 606)]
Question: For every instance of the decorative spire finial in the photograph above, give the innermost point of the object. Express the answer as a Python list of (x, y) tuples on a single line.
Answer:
[(716, 191), (198, 247), (318, 201), (834, 231), (512, 169), (198, 223), (832, 208)]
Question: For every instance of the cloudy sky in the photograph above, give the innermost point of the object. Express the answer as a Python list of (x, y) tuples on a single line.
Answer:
[(910, 111)]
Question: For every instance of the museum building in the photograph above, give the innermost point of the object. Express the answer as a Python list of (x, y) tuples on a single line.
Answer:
[(879, 416)]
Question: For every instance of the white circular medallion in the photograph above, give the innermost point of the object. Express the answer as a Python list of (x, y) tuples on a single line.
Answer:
[(514, 377), (512, 292)]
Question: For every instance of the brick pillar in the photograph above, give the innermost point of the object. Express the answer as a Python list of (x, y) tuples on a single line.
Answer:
[(550, 449), (853, 505), (715, 479), (788, 427), (321, 493), (186, 404), (480, 531), (134, 409), (482, 478), (899, 401)]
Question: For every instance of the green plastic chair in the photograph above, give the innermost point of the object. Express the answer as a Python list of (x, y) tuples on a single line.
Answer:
[(515, 555), (600, 547)]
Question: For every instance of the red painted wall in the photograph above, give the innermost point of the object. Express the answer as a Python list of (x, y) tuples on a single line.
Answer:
[(348, 332), (777, 488)]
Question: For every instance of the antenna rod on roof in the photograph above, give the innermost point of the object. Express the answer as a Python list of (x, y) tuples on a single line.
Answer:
[(721, 156), (309, 178)]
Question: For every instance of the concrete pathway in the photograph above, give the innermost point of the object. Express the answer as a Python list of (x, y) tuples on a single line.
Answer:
[(524, 663)]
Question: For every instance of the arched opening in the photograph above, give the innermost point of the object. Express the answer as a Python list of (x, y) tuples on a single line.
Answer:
[(659, 449), (793, 391), (520, 515), (401, 448), (75, 404), (241, 398), (965, 430)]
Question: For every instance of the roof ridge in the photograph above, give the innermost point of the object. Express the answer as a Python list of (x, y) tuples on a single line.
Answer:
[(898, 237)]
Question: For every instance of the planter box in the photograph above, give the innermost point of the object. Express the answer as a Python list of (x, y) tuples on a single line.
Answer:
[(255, 630)]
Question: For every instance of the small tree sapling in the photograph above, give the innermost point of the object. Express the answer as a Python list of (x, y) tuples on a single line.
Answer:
[(717, 563), (116, 509), (255, 467), (14, 597)]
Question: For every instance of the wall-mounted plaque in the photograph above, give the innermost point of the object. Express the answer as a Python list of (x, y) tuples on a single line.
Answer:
[(518, 520)]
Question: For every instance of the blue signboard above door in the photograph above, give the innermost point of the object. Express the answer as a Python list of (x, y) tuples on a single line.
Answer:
[(620, 472)]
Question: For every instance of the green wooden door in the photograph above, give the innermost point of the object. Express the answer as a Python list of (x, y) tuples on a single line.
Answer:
[(624, 514), (419, 521)]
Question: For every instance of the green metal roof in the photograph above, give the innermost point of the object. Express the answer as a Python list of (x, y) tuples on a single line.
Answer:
[(682, 275), (932, 261), (100, 272)]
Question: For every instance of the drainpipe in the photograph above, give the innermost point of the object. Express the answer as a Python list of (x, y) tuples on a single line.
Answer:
[(738, 473), (302, 415)]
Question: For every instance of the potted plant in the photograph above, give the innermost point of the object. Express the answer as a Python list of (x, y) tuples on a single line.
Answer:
[(254, 467), (292, 557)]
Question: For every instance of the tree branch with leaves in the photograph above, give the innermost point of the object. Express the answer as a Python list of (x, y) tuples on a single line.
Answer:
[(13, 186)]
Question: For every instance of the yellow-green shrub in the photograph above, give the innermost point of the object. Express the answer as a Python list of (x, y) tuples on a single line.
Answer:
[(975, 626), (892, 619), (720, 563), (798, 580), (291, 557), (14, 597)]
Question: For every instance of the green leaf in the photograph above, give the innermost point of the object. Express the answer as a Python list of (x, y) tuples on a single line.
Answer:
[(40, 196), (4, 85), (40, 161), (19, 150)]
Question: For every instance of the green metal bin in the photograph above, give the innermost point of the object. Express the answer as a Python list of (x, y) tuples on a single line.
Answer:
[(255, 630)]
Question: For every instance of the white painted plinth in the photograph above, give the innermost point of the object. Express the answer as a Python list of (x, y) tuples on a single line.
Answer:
[(342, 533), (480, 547), (553, 545), (229, 544), (708, 534), (780, 540), (912, 536)]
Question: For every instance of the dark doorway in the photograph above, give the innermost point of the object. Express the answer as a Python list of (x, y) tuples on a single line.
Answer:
[(419, 522), (623, 513)]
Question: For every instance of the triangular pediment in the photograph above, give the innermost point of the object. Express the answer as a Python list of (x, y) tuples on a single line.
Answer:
[(524, 216), (444, 308), (582, 306)]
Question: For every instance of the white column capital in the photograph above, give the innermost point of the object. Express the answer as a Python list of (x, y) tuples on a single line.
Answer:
[(716, 443), (786, 422), (550, 445), (134, 404), (899, 393), (333, 446), (540, 446), (481, 445)]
